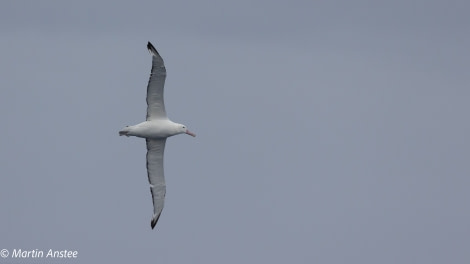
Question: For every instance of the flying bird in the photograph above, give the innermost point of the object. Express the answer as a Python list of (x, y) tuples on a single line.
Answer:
[(156, 129)]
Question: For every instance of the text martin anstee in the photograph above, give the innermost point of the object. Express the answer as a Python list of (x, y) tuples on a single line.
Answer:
[(35, 253)]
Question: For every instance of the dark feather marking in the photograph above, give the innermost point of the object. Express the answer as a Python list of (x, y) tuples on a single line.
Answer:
[(152, 48)]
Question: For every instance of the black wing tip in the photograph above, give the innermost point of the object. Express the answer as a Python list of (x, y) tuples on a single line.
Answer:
[(154, 221), (151, 48)]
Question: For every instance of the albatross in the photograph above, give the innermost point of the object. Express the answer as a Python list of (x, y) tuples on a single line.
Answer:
[(156, 129)]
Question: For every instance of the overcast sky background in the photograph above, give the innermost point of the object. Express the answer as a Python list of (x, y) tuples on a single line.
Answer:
[(327, 131)]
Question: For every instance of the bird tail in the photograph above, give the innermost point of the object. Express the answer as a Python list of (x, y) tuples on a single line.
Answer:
[(125, 131)]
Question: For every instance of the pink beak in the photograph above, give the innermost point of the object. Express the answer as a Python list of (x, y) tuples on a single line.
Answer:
[(190, 133)]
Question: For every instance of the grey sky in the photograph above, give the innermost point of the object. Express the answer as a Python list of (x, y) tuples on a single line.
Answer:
[(328, 131)]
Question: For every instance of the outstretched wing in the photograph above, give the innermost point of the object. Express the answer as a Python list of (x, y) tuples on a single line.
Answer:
[(155, 150), (155, 103)]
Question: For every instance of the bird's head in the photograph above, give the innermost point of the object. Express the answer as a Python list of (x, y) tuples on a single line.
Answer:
[(184, 129)]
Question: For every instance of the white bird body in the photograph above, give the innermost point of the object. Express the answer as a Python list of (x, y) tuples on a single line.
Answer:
[(156, 130)]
